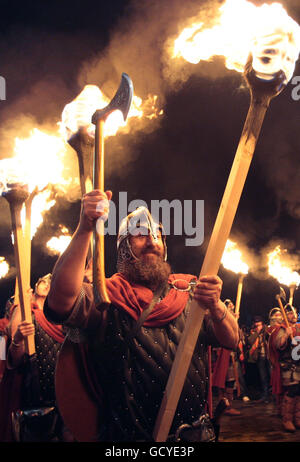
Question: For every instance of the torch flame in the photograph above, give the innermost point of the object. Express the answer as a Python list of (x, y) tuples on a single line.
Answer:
[(232, 259), (4, 267), (283, 273), (37, 161), (58, 245), (267, 32), (40, 204), (79, 112)]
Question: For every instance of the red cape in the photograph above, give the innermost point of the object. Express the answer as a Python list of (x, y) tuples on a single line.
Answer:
[(134, 298), (220, 368)]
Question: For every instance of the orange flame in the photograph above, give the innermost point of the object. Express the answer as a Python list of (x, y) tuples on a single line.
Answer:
[(38, 161), (58, 245), (79, 112), (283, 273), (232, 259), (40, 204), (4, 267), (267, 32)]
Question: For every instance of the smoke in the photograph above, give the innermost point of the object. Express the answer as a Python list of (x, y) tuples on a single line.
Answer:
[(140, 46), (184, 153)]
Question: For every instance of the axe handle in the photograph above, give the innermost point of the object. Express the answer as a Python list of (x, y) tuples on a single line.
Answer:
[(212, 260), (283, 312), (99, 285)]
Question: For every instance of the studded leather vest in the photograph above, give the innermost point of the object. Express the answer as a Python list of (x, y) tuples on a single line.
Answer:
[(46, 353), (133, 372)]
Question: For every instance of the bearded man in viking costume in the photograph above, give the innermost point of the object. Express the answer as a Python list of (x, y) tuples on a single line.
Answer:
[(129, 348)]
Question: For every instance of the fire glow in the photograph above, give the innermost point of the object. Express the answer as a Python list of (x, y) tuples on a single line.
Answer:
[(58, 245), (266, 32), (37, 161), (232, 259), (280, 271), (4, 267), (78, 113), (41, 203)]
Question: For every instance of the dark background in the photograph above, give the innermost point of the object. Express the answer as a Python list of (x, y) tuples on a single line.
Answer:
[(50, 50)]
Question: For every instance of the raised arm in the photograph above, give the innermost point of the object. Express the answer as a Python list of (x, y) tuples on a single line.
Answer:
[(68, 273)]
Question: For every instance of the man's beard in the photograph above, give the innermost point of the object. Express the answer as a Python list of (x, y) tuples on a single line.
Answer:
[(150, 274)]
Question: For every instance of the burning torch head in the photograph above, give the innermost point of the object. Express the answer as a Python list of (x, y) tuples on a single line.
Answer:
[(121, 101), (276, 48), (140, 221)]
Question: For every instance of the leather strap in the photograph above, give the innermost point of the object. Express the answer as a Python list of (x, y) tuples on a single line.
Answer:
[(157, 294)]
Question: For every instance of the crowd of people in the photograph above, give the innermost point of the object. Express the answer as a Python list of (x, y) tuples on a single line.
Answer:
[(125, 351), (265, 367)]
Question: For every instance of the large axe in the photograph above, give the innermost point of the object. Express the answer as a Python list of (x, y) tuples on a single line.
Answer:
[(261, 92), (121, 101)]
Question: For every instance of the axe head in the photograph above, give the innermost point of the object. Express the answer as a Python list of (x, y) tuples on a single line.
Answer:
[(282, 294), (121, 101)]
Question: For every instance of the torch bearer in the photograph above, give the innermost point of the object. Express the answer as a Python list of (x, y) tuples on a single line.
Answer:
[(121, 101), (261, 92), (16, 196)]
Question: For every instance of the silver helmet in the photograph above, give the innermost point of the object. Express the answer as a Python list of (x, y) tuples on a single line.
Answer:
[(138, 221)]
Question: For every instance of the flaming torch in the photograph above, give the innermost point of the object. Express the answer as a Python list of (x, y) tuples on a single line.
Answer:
[(232, 261), (38, 171), (282, 272), (59, 244), (4, 267), (16, 195), (266, 77), (76, 126)]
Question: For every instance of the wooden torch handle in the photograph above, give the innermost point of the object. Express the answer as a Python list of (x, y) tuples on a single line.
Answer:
[(212, 260), (22, 273)]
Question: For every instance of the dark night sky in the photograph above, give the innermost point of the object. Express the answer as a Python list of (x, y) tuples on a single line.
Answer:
[(50, 50)]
